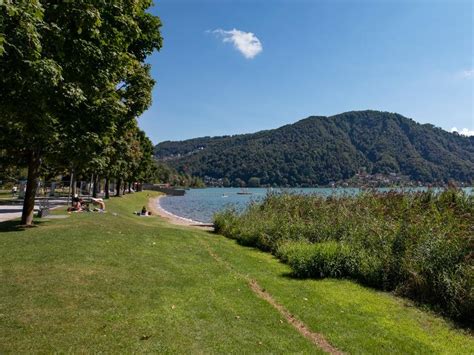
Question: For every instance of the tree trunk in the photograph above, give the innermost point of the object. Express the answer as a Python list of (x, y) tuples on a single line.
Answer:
[(34, 163), (106, 188), (95, 188), (69, 196), (118, 187), (129, 187), (74, 186)]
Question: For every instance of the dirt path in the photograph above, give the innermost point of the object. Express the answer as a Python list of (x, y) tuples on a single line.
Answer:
[(316, 338)]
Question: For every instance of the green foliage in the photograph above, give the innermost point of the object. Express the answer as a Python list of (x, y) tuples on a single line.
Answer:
[(164, 174), (416, 244), (73, 80), (319, 150), (325, 259), (253, 182)]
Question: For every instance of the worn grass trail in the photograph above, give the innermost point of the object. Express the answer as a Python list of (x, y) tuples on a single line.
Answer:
[(351, 317), (122, 283)]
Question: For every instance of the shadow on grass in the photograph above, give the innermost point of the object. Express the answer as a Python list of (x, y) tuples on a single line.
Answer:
[(16, 226), (291, 275), (294, 276)]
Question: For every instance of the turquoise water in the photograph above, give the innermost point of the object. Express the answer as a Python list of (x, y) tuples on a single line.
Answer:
[(201, 204)]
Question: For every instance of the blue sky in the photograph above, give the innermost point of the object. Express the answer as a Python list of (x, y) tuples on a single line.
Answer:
[(287, 60)]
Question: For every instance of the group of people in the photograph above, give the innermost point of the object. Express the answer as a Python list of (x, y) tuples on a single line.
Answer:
[(79, 205)]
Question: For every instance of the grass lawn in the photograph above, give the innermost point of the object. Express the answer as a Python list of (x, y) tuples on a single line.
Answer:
[(116, 282), (5, 194)]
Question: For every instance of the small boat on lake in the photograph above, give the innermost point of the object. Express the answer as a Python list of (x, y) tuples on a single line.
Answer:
[(244, 192)]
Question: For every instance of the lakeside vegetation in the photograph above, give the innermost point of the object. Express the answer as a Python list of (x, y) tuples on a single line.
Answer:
[(418, 245), (115, 282), (165, 174)]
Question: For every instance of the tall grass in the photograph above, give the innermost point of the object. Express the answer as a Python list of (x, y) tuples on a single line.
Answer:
[(419, 245)]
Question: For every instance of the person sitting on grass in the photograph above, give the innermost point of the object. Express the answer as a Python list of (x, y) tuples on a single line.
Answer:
[(143, 212), (99, 202), (76, 204)]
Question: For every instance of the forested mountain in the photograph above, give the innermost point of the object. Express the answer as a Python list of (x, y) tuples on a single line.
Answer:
[(318, 150)]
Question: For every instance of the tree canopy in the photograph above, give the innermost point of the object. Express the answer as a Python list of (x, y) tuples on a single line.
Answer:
[(73, 80)]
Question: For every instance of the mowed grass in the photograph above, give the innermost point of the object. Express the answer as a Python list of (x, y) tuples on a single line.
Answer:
[(5, 194), (116, 282)]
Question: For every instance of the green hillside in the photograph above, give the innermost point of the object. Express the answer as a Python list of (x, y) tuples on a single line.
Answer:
[(318, 150)]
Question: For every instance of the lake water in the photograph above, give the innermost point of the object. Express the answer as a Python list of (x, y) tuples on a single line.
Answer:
[(201, 204)]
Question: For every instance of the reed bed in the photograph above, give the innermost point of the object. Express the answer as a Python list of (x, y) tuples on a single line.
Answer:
[(416, 244)]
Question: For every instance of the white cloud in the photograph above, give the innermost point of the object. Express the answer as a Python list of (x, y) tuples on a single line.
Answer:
[(468, 74), (463, 132), (245, 42)]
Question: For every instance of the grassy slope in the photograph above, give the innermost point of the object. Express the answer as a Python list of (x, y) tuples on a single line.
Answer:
[(100, 282)]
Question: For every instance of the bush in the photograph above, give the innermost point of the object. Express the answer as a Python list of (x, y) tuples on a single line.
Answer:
[(326, 259), (417, 244)]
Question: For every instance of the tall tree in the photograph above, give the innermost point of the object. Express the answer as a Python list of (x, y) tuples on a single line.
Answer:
[(29, 84), (69, 77)]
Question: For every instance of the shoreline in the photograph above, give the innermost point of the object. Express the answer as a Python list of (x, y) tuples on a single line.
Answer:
[(155, 207)]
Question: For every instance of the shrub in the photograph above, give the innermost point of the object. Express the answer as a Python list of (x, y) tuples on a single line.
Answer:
[(326, 259), (418, 244)]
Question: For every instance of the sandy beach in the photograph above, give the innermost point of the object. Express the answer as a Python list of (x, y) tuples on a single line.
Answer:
[(156, 209)]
